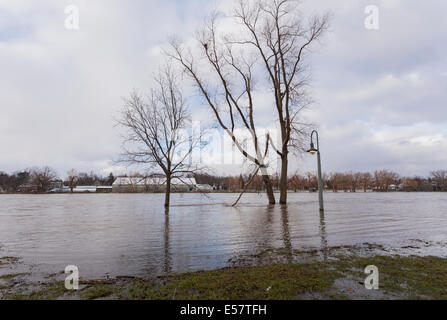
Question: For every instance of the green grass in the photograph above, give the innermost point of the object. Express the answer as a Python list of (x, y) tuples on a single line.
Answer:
[(98, 291), (413, 277), (279, 281), (8, 260), (12, 276), (401, 277)]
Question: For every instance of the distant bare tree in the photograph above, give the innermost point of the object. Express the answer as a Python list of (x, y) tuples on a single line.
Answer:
[(384, 178), (333, 181), (296, 182), (311, 181), (349, 181), (365, 181), (410, 184), (72, 177), (88, 179), (42, 178), (440, 178), (157, 129)]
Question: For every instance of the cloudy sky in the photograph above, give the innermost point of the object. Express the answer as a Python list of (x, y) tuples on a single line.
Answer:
[(380, 95)]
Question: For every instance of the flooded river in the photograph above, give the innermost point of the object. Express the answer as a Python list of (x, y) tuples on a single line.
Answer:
[(130, 234)]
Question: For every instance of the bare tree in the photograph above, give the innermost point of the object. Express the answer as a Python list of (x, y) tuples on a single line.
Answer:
[(365, 181), (157, 129), (296, 182), (333, 181), (440, 178), (384, 178), (273, 38), (276, 30), (42, 178), (410, 184), (72, 177)]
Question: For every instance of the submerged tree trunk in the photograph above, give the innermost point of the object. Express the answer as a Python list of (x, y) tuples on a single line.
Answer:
[(168, 191), (268, 189), (283, 180)]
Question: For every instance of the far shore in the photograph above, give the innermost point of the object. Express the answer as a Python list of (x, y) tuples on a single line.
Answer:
[(215, 191)]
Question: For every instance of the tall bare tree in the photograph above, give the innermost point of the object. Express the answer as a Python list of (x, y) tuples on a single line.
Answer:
[(157, 129), (271, 43), (275, 28)]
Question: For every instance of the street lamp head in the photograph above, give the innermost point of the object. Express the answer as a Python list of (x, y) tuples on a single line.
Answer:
[(312, 149)]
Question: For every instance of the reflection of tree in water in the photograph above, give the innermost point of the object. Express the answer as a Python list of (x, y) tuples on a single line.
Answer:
[(167, 263), (263, 236), (286, 233), (258, 230), (324, 247)]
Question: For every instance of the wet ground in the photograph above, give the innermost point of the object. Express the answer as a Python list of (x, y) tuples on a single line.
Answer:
[(280, 274)]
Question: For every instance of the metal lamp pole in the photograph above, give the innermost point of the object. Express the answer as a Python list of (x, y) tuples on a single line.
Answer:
[(312, 150)]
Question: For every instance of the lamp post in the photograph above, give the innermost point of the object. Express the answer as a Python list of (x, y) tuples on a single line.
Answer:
[(312, 150)]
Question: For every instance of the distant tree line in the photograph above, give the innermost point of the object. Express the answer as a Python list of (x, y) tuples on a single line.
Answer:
[(41, 180), (379, 180)]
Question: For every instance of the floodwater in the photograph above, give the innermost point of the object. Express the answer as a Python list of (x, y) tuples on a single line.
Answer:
[(130, 234)]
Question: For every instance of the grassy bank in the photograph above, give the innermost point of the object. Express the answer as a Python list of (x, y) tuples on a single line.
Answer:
[(342, 278)]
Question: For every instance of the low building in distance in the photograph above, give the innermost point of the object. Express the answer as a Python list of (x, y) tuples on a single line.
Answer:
[(155, 183)]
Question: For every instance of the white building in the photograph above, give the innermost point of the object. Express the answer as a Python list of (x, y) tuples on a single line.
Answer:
[(204, 187), (82, 189), (155, 183)]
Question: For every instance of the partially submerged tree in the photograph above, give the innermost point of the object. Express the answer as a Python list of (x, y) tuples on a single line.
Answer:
[(72, 177), (157, 129), (365, 181), (271, 43), (278, 33), (384, 178)]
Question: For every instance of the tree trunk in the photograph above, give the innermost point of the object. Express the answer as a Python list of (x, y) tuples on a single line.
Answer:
[(269, 189), (168, 191), (283, 180)]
